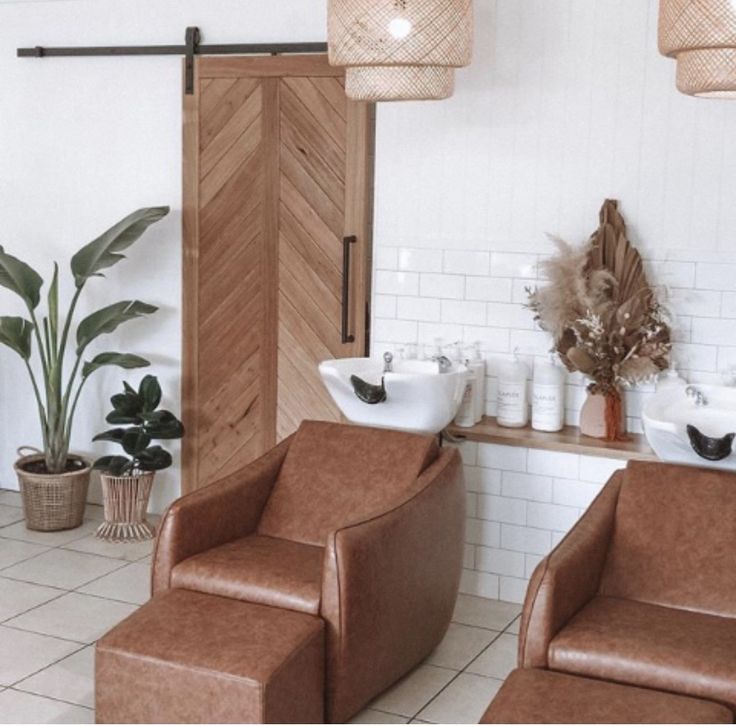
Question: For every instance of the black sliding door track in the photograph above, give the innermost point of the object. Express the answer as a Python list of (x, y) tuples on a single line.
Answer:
[(190, 48)]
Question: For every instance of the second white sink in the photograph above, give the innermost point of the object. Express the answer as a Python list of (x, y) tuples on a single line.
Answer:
[(669, 412)]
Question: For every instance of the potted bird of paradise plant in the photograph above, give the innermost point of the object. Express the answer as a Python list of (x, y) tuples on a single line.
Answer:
[(53, 481)]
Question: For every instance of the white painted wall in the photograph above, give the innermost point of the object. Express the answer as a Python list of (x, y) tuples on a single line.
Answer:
[(85, 141), (567, 102)]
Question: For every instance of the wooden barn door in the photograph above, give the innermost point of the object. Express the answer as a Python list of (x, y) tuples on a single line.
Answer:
[(277, 183)]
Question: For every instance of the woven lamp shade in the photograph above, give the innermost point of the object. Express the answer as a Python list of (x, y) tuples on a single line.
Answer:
[(398, 50), (701, 36), (399, 83), (400, 32)]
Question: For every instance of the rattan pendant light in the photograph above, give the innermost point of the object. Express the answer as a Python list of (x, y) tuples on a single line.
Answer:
[(400, 49), (399, 83), (701, 36)]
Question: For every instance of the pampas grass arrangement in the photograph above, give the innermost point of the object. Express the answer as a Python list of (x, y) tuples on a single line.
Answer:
[(603, 314)]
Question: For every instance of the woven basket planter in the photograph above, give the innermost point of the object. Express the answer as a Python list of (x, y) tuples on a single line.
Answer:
[(126, 504), (701, 36), (53, 502)]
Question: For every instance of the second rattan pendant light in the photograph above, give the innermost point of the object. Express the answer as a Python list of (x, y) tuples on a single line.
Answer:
[(701, 36), (397, 50)]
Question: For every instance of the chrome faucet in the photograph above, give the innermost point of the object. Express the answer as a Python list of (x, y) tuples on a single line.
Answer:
[(388, 360), (697, 395), (443, 362)]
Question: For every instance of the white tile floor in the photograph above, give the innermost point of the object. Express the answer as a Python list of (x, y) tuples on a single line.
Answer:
[(60, 591)]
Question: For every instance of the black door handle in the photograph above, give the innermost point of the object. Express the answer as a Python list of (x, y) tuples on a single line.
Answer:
[(346, 242)]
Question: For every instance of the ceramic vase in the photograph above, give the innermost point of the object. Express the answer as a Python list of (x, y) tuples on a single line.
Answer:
[(603, 417)]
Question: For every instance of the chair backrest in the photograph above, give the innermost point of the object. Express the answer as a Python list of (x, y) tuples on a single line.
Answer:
[(335, 474), (674, 539)]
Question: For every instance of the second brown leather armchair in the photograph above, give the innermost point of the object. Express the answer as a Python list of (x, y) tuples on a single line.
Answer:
[(360, 526), (643, 589)]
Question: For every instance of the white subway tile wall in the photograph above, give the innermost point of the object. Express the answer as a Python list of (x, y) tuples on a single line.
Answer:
[(509, 532), (522, 501)]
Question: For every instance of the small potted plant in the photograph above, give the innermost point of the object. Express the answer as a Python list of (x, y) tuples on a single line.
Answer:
[(127, 479), (53, 482)]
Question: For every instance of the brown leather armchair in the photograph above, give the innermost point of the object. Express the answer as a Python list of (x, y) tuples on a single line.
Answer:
[(642, 590), (361, 526)]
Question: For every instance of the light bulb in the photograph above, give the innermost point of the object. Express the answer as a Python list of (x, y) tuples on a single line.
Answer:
[(401, 27)]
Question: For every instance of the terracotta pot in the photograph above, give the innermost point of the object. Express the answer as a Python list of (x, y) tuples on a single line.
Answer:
[(603, 417), (126, 504), (53, 502)]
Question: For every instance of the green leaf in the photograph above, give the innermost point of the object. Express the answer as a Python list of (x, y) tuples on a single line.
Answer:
[(108, 319), (114, 435), (116, 418), (22, 279), (53, 301), (122, 360), (162, 425), (16, 334), (150, 393), (113, 465), (154, 458), (135, 441), (105, 251)]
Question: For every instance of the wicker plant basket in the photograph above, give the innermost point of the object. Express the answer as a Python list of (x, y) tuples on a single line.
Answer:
[(52, 502), (126, 504)]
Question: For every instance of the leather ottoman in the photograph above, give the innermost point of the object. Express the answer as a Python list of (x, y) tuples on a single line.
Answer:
[(539, 696), (187, 657)]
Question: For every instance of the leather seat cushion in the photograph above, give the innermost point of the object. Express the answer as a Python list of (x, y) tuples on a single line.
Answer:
[(537, 696), (334, 475), (263, 570), (651, 646)]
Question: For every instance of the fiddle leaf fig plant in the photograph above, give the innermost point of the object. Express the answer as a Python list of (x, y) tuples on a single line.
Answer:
[(56, 391), (140, 422)]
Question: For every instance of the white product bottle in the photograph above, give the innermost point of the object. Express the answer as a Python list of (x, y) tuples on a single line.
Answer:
[(477, 367), (513, 399), (548, 397), (465, 416)]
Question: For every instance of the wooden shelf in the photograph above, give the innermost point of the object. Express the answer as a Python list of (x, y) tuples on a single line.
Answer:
[(569, 439)]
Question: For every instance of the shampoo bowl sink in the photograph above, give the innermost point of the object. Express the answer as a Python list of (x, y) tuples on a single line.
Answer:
[(669, 412), (418, 397)]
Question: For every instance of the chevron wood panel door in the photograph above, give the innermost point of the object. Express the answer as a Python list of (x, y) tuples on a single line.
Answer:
[(277, 172)]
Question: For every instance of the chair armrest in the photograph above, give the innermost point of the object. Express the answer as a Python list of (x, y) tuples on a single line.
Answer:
[(214, 515), (568, 578), (389, 587)]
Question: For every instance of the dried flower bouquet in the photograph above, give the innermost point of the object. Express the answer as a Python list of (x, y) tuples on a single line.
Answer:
[(603, 314)]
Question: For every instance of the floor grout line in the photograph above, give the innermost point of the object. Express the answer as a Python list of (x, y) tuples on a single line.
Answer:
[(50, 698), (46, 635), (34, 607), (462, 671), (53, 663)]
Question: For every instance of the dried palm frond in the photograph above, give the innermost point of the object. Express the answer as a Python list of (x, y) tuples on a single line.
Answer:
[(611, 250)]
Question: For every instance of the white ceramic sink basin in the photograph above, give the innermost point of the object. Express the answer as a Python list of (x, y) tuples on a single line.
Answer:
[(668, 412), (418, 397)]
